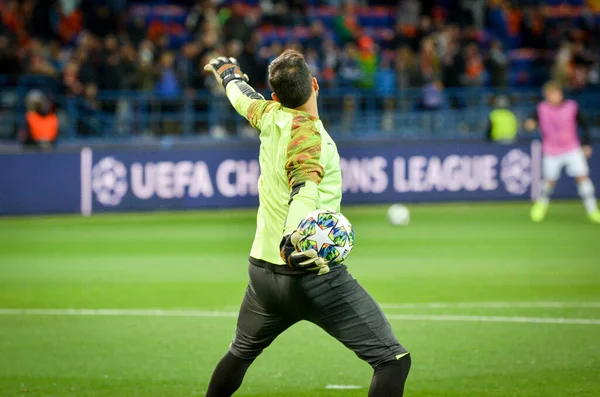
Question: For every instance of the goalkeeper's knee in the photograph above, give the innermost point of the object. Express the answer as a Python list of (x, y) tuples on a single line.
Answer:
[(400, 367)]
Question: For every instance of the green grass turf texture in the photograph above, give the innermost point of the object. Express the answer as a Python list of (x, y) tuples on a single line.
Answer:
[(449, 253)]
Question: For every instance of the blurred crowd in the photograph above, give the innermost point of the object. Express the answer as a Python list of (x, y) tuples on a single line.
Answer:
[(81, 48), (87, 46)]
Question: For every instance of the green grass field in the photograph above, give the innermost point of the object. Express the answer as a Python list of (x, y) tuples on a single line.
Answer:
[(488, 303)]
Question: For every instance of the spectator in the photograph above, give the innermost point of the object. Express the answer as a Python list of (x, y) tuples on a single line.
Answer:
[(349, 69), (169, 90), (330, 62), (188, 65), (137, 30), (562, 69), (202, 17), (110, 75), (386, 86), (534, 29), (41, 124), (316, 37), (452, 65), (12, 21), (37, 62), (386, 78), (71, 81), (251, 63), (9, 62), (407, 73), (473, 73), (409, 12), (497, 65), (238, 27), (101, 21), (128, 67), (70, 22), (89, 56), (433, 96), (423, 32), (145, 80), (90, 122), (312, 60), (403, 35), (582, 62), (367, 61), (168, 85), (502, 125), (36, 16), (430, 66), (56, 57), (345, 24)]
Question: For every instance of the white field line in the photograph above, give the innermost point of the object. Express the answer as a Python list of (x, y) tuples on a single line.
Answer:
[(489, 305), (343, 387), (481, 305), (118, 312), (495, 319), (208, 314)]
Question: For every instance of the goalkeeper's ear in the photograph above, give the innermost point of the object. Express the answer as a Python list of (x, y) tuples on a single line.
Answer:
[(315, 84), (274, 97)]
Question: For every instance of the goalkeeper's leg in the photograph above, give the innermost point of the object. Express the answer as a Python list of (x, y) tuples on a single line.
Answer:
[(260, 321), (344, 309), (228, 376)]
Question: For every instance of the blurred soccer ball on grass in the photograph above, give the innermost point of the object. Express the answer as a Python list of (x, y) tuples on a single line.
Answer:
[(398, 215)]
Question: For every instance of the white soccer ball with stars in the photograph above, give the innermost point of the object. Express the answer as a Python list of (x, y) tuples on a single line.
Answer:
[(327, 232)]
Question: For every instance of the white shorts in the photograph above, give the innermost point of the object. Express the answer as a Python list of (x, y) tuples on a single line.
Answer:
[(574, 161)]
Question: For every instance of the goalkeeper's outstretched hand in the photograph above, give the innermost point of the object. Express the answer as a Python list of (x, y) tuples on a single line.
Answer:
[(301, 260), (225, 70)]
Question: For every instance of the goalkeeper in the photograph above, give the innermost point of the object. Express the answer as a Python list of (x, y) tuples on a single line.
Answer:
[(300, 172)]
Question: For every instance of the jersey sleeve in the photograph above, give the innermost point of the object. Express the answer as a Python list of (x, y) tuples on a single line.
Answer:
[(304, 170), (249, 103)]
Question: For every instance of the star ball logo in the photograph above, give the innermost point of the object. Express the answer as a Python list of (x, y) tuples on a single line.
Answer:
[(515, 171), (109, 181)]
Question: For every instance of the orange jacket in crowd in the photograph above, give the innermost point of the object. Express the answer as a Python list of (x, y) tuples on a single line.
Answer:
[(42, 127)]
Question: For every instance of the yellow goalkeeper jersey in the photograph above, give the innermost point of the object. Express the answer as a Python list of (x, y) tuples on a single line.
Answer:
[(299, 168)]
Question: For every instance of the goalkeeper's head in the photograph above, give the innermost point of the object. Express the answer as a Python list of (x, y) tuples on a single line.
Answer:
[(291, 80)]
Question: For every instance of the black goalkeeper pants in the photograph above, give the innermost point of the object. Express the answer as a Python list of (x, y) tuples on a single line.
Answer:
[(335, 301)]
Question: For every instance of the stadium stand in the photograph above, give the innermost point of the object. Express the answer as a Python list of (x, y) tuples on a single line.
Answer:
[(417, 70)]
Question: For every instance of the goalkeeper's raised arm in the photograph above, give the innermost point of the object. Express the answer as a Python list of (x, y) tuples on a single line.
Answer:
[(246, 101)]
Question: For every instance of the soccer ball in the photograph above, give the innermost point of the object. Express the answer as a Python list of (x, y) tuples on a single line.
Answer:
[(327, 232), (398, 214)]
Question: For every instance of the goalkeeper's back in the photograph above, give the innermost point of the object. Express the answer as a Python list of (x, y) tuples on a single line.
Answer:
[(300, 165)]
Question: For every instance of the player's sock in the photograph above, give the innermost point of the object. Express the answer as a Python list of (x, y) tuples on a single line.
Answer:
[(228, 376), (545, 192), (389, 378), (587, 194)]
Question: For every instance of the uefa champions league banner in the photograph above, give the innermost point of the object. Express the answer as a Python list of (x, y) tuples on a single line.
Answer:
[(207, 177), (225, 176)]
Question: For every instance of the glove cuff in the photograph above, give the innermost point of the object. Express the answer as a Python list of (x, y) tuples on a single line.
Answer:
[(230, 73), (231, 78)]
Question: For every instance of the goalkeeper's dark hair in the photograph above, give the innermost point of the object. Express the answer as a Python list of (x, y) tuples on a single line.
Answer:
[(291, 79)]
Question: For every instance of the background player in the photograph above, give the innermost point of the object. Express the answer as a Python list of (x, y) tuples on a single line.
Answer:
[(300, 172), (558, 120)]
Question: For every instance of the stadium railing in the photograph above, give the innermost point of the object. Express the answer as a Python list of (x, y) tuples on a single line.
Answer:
[(462, 114)]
